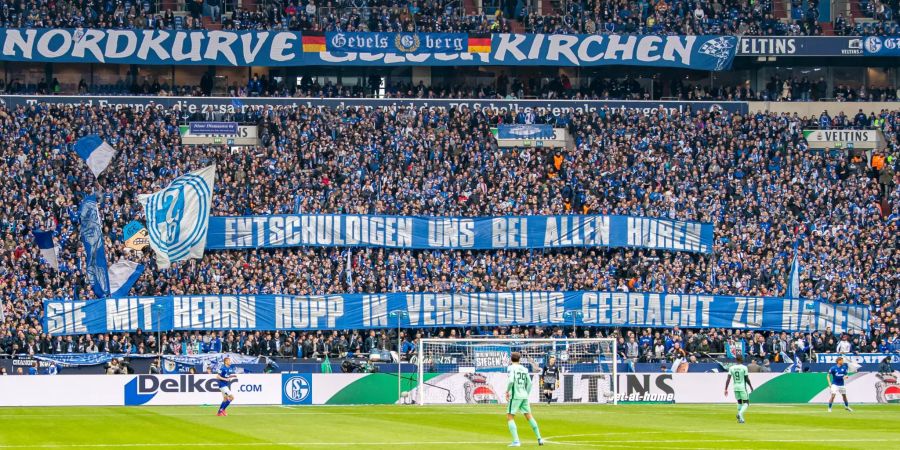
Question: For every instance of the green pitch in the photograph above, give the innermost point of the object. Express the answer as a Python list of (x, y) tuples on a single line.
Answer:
[(448, 427)]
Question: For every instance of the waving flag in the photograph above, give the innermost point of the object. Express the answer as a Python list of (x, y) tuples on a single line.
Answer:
[(178, 216), (44, 241), (96, 153), (95, 253), (794, 278), (122, 276)]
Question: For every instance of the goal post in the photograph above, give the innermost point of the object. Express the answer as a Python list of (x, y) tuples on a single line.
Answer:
[(473, 370)]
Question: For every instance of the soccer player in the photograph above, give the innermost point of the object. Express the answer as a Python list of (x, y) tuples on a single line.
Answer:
[(550, 379), (225, 377), (836, 381), (517, 389), (741, 382)]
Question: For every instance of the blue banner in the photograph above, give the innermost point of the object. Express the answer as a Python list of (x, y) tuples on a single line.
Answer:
[(358, 311), (686, 52), (882, 46), (475, 233), (285, 48), (201, 47), (800, 46), (491, 358), (397, 42), (216, 128), (534, 131), (96, 270)]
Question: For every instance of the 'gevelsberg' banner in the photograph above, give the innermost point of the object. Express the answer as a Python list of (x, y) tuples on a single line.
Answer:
[(397, 42), (285, 48), (482, 233), (354, 311)]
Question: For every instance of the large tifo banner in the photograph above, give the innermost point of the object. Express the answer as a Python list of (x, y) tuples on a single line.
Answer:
[(287, 48), (481, 233), (355, 311)]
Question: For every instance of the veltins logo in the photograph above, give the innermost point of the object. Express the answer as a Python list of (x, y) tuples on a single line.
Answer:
[(142, 388), (296, 389)]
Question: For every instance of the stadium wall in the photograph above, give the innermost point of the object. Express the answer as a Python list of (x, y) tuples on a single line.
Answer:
[(232, 105), (454, 388)]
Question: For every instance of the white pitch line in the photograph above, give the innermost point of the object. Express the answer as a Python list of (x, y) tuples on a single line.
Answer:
[(701, 441), (250, 444)]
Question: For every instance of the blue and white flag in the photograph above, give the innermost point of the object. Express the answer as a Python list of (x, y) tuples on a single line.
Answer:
[(178, 216), (122, 276), (96, 153), (91, 231), (44, 241), (794, 278)]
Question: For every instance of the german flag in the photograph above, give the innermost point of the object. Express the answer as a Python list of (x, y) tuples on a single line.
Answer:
[(479, 43), (313, 42)]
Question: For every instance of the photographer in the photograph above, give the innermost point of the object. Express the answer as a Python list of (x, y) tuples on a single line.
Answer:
[(114, 368), (155, 367)]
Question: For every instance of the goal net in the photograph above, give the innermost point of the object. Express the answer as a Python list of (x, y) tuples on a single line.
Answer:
[(474, 370)]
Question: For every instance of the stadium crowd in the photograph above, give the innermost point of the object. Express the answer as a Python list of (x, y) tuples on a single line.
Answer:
[(753, 176), (733, 17)]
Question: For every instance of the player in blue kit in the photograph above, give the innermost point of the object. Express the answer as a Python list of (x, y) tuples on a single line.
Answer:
[(225, 376), (836, 380)]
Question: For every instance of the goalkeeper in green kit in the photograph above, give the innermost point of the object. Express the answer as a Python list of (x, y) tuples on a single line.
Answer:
[(741, 382), (517, 390)]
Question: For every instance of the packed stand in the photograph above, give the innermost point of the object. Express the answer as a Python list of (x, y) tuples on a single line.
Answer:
[(753, 176), (730, 17)]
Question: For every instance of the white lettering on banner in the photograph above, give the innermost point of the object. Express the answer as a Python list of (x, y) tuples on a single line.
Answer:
[(220, 42), (561, 45), (840, 319), (509, 232), (65, 318), (308, 312), (333, 230), (657, 233), (112, 43), (374, 310), (14, 40), (749, 312), (89, 42), (206, 312), (615, 49), (129, 314), (484, 309), (654, 310), (153, 41), (577, 50), (214, 312), (583, 54), (178, 51), (451, 233), (605, 308), (280, 44), (576, 231), (461, 310)]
